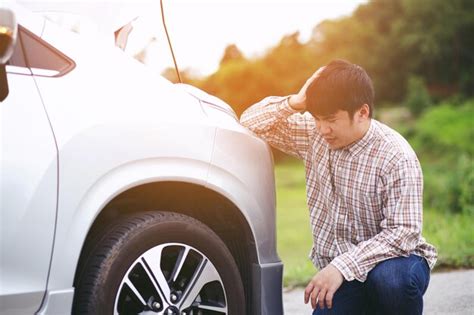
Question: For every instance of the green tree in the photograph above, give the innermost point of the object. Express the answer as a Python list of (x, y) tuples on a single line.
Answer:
[(231, 53), (393, 40), (418, 99)]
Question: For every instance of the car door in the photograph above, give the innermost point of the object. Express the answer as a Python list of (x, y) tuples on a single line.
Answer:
[(29, 184)]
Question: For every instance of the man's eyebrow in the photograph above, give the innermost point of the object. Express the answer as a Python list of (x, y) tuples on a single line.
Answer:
[(326, 117)]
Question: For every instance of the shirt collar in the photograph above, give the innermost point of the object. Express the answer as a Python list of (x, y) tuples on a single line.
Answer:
[(355, 148)]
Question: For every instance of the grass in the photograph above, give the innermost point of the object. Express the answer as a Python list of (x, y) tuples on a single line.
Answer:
[(293, 230), (452, 234), (453, 237)]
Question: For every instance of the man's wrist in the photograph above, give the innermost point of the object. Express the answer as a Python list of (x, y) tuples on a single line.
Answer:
[(295, 103), (345, 265)]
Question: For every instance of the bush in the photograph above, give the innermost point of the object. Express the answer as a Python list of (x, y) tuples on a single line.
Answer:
[(443, 141), (466, 185), (417, 99), (447, 129)]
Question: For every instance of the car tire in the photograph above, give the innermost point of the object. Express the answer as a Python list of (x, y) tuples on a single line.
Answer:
[(163, 263)]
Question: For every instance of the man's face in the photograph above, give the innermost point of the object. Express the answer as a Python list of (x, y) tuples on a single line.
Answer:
[(339, 129)]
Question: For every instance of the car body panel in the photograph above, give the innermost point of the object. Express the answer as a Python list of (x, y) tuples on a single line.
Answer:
[(84, 208), (57, 302), (237, 158), (28, 197)]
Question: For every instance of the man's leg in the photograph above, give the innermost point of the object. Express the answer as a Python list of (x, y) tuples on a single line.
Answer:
[(396, 286), (348, 299)]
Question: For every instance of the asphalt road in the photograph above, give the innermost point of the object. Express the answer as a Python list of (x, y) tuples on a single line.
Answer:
[(448, 293)]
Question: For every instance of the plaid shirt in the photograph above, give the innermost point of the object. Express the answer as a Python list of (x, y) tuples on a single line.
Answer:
[(365, 200)]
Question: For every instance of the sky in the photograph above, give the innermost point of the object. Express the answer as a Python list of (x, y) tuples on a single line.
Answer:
[(201, 29)]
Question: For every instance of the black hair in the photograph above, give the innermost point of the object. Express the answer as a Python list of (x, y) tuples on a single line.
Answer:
[(341, 85)]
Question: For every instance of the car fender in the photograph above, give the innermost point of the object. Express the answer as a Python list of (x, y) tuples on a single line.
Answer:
[(242, 170), (72, 232)]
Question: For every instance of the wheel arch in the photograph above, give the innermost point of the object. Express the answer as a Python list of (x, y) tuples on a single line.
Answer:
[(204, 204)]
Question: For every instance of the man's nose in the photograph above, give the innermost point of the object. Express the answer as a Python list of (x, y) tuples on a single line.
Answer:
[(324, 129)]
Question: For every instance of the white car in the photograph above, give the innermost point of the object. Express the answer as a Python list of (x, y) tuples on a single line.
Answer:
[(122, 193)]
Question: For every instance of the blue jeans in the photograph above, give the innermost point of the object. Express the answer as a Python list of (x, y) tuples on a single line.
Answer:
[(394, 286)]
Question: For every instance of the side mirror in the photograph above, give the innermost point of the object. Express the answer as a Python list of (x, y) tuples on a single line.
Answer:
[(8, 34)]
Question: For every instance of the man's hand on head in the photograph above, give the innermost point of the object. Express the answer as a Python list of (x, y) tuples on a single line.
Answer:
[(298, 101), (322, 287)]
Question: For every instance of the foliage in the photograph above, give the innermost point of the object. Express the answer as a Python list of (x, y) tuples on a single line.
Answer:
[(171, 75), (446, 129), (231, 53), (293, 228), (242, 82), (462, 184), (418, 98), (443, 141), (393, 40), (453, 237)]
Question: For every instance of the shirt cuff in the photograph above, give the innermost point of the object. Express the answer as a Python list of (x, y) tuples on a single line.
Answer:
[(348, 267), (284, 107)]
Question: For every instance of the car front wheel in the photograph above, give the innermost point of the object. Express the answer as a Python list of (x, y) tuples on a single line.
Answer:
[(160, 263)]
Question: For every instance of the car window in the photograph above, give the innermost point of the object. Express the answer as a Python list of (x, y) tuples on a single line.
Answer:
[(17, 63), (145, 40), (40, 57)]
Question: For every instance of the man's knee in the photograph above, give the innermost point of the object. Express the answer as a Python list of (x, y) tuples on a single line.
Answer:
[(402, 277)]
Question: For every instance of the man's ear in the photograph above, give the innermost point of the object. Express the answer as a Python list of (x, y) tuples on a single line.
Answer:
[(363, 113)]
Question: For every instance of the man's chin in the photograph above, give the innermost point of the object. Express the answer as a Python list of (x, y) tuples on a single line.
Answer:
[(333, 144)]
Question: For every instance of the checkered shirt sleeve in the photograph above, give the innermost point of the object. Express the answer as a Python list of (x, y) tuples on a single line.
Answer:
[(273, 120)]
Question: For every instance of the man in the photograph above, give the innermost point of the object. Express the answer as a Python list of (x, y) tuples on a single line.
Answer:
[(364, 192)]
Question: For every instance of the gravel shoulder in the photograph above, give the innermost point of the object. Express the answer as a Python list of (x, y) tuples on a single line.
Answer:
[(448, 293)]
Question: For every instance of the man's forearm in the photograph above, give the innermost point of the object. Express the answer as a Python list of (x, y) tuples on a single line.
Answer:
[(278, 123), (296, 103), (263, 115)]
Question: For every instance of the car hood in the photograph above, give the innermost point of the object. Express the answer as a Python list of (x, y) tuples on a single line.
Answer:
[(208, 100)]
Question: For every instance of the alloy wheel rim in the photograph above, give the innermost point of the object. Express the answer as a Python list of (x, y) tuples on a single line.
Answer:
[(171, 279)]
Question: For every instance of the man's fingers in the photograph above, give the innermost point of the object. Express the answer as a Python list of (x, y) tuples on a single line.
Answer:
[(307, 292), (318, 72), (314, 297), (310, 80), (314, 76), (329, 297), (321, 298)]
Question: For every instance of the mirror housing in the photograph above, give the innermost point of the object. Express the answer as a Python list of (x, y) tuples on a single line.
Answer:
[(8, 35)]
